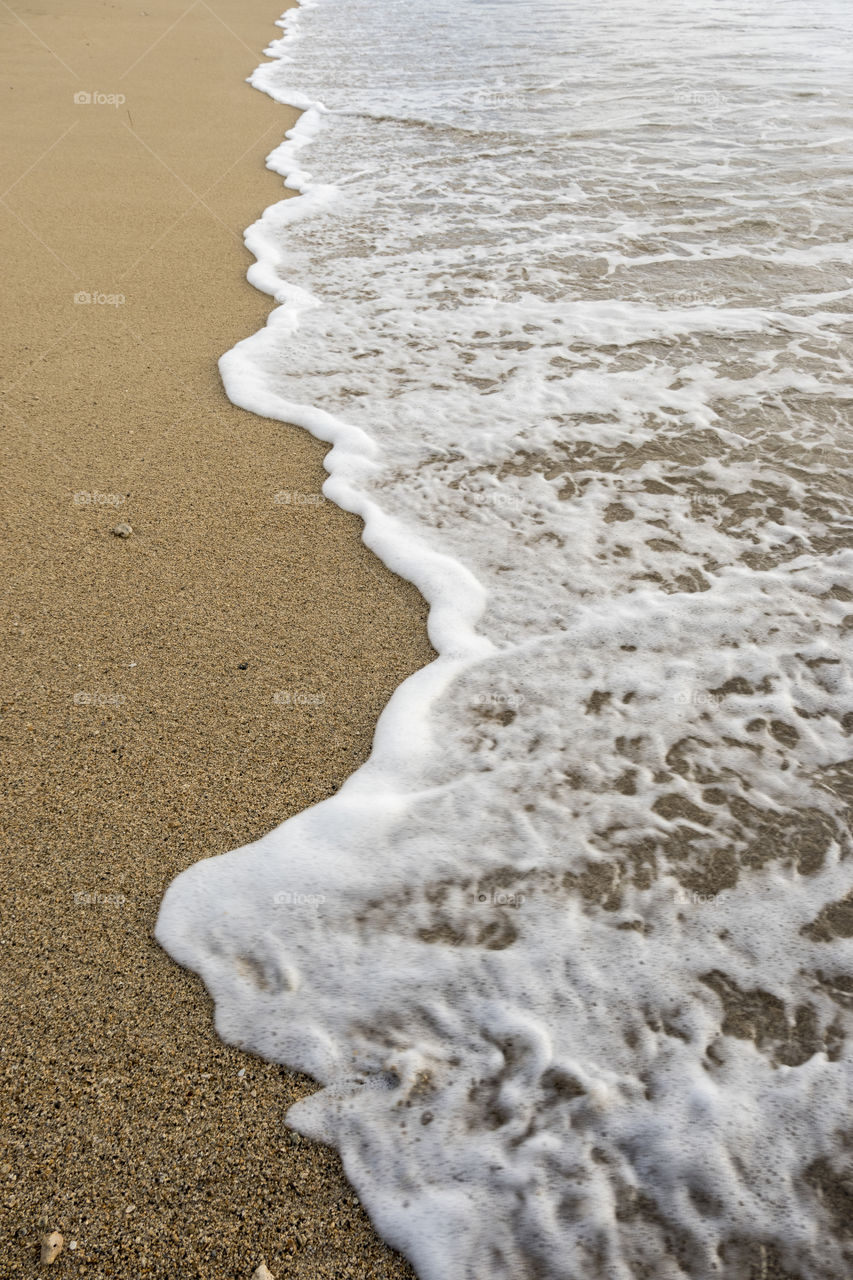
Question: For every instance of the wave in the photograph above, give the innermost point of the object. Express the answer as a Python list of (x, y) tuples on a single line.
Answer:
[(569, 955)]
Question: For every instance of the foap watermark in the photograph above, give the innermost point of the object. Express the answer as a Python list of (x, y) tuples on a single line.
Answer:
[(87, 898), (503, 898), (85, 299), (511, 700), (706, 504), (297, 698), (497, 499), (706, 99), (701, 295), (83, 699), (496, 100), (290, 498), (698, 698), (94, 98), (494, 292), (690, 898), (93, 498), (286, 898)]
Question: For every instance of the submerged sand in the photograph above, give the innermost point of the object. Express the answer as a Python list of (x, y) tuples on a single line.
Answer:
[(141, 728)]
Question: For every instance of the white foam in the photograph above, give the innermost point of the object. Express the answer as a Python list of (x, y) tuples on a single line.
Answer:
[(602, 423)]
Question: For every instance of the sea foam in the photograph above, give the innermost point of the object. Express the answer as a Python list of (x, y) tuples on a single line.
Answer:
[(567, 288)]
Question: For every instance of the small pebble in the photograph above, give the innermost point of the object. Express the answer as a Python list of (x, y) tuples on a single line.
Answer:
[(51, 1247), (262, 1273), (122, 530)]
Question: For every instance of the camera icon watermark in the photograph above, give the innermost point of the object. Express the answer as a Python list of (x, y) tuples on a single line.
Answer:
[(285, 898), (83, 98)]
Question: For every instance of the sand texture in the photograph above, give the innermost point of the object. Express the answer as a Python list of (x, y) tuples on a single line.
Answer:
[(141, 728)]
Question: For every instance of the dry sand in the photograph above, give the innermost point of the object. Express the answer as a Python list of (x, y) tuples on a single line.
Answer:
[(139, 728)]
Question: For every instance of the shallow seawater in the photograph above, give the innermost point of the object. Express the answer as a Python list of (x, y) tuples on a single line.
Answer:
[(569, 288)]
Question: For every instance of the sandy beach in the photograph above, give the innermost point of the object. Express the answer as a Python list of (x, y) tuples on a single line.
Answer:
[(173, 689)]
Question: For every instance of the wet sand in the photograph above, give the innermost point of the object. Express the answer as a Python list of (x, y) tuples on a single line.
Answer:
[(141, 729)]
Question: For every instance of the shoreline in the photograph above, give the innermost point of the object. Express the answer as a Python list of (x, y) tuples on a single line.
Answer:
[(172, 692)]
